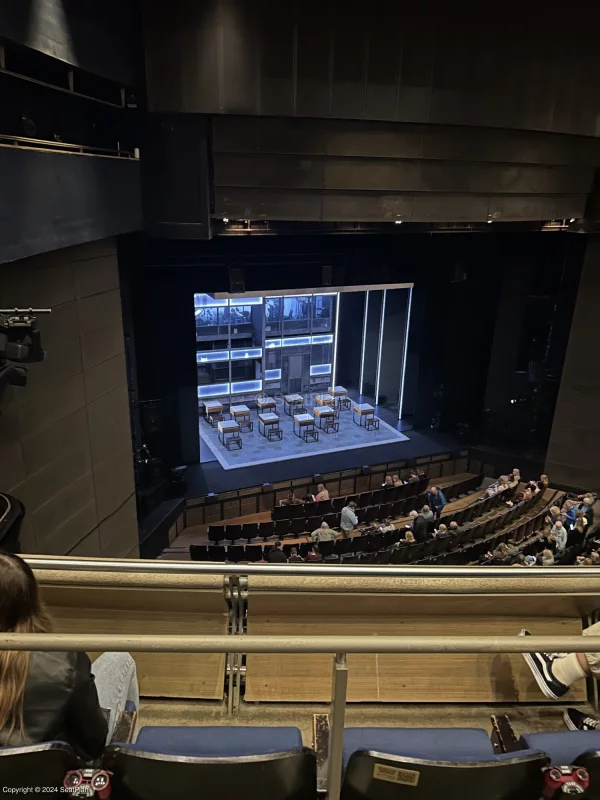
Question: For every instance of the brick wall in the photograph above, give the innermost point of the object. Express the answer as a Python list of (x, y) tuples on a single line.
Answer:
[(65, 439)]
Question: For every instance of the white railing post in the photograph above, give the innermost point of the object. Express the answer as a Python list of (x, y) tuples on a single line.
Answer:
[(337, 716)]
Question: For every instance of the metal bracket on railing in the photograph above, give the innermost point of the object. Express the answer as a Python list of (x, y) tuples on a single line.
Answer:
[(237, 589)]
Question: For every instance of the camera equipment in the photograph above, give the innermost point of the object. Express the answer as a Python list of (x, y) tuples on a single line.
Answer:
[(565, 780), (20, 342)]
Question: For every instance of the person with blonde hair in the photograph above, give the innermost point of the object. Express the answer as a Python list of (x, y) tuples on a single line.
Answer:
[(52, 696)]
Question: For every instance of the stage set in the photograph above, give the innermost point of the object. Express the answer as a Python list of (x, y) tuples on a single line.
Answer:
[(300, 373)]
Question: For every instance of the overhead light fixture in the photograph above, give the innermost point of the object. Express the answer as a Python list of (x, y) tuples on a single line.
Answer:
[(489, 222), (397, 222), (225, 220), (572, 219)]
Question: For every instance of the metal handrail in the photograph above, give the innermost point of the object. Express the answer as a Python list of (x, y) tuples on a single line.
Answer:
[(338, 646), (142, 566), (64, 145), (150, 643)]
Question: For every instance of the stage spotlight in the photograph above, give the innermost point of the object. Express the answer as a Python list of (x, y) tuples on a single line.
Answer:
[(397, 222), (572, 219)]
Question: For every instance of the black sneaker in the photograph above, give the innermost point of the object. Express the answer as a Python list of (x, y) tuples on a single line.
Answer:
[(540, 665), (578, 721)]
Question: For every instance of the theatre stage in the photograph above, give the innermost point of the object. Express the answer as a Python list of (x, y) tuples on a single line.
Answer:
[(257, 449)]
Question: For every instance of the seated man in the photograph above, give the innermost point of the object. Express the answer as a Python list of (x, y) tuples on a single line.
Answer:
[(436, 501), (413, 477), (322, 493), (276, 554), (453, 527), (294, 557), (442, 530), (314, 554), (291, 500), (323, 534), (387, 482)]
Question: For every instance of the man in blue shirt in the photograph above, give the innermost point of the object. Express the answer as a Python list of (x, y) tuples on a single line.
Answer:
[(436, 501)]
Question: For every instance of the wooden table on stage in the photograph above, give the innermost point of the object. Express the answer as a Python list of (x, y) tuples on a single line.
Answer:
[(324, 400), (233, 429), (291, 401), (213, 410), (306, 426), (241, 415), (265, 403), (324, 413), (270, 421), (338, 395), (363, 411)]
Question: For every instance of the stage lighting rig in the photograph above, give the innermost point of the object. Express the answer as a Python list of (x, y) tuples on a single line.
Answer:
[(20, 343)]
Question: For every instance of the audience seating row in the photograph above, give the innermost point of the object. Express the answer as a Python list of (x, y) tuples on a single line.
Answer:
[(363, 499), (229, 762), (253, 532), (374, 547)]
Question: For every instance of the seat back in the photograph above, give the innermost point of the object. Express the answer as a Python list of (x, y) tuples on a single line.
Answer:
[(37, 765), (198, 552), (377, 776), (155, 776)]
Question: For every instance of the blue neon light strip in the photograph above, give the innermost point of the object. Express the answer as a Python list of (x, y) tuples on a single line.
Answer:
[(297, 341), (210, 356), (320, 369), (272, 374), (246, 301), (246, 386), (213, 390), (251, 352)]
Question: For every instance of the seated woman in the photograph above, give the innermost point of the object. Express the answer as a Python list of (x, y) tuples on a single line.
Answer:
[(388, 482), (322, 493), (55, 696)]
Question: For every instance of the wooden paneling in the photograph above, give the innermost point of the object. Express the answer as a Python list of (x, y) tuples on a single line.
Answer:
[(402, 678), (91, 609)]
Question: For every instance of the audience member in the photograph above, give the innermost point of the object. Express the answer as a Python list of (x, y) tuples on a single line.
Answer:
[(543, 483), (291, 500), (453, 527), (514, 479), (314, 554), (436, 501), (560, 534), (547, 558), (498, 486), (49, 696), (294, 557), (322, 493), (569, 508), (323, 534), (419, 526), (396, 480), (587, 507), (442, 530), (413, 477), (388, 483), (348, 519), (276, 554), (427, 513), (409, 538)]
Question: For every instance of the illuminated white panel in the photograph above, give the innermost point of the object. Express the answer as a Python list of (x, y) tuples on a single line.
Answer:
[(325, 338), (405, 353), (335, 341), (246, 301), (206, 301), (364, 341), (272, 374), (251, 352), (210, 356), (213, 390), (320, 369), (246, 386), (380, 347), (271, 344), (296, 341)]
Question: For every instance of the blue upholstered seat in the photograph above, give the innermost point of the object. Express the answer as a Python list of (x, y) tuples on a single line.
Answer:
[(439, 744), (563, 747), (220, 741)]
